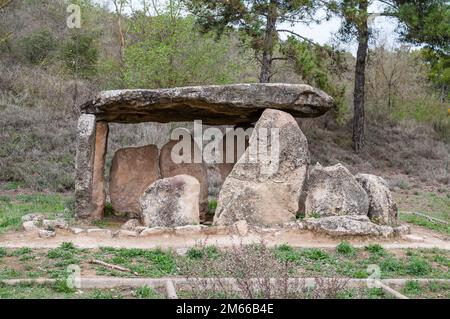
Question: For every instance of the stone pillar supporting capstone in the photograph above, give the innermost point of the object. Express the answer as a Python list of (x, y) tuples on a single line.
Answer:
[(89, 166), (98, 185)]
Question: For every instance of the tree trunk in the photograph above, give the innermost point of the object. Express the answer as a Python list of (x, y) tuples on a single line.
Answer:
[(266, 64), (360, 79)]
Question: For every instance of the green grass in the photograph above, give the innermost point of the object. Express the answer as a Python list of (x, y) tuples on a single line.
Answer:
[(344, 248), (146, 292), (12, 210), (11, 186), (425, 222)]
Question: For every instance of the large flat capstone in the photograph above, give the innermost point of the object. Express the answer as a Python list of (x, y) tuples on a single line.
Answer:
[(214, 104)]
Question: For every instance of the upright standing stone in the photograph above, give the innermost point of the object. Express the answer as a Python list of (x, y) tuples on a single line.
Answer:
[(382, 207), (98, 187), (169, 168), (266, 191), (334, 191), (133, 170), (84, 165)]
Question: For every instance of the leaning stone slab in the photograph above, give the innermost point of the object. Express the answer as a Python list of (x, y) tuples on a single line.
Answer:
[(171, 202), (133, 170), (334, 191), (382, 207), (84, 165), (265, 184), (215, 104)]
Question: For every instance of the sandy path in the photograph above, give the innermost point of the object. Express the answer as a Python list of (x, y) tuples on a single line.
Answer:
[(419, 238)]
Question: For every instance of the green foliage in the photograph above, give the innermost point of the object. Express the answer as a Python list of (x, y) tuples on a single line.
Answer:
[(375, 249), (315, 254), (345, 248), (425, 222), (99, 294), (212, 205), (11, 212), (313, 64), (418, 266), (146, 292), (375, 293), (37, 46), (61, 286), (424, 22), (171, 53), (195, 253), (80, 54), (3, 252), (287, 253), (412, 287)]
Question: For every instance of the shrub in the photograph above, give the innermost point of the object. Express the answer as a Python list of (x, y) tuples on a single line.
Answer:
[(375, 249), (195, 253), (315, 254), (3, 252), (418, 266), (345, 248), (145, 292), (38, 46), (287, 253), (412, 287), (60, 285), (80, 54), (391, 264)]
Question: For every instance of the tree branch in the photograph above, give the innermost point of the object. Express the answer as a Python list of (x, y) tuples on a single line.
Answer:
[(298, 35)]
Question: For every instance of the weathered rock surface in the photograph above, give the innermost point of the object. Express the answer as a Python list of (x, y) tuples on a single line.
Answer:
[(332, 191), (382, 207), (169, 168), (133, 170), (215, 104), (32, 217), (30, 226), (43, 233), (352, 225), (50, 224), (262, 192), (84, 165), (230, 154), (98, 183), (171, 202)]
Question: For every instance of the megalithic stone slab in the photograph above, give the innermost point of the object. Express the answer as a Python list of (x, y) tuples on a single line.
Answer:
[(133, 170), (239, 104), (84, 165), (266, 190), (98, 185)]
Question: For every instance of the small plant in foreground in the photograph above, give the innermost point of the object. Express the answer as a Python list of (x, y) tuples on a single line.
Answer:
[(287, 253), (375, 249), (195, 253), (412, 287), (345, 248), (145, 292), (418, 266), (61, 286)]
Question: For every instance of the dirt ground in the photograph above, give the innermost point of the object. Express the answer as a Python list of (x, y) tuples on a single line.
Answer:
[(419, 238)]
